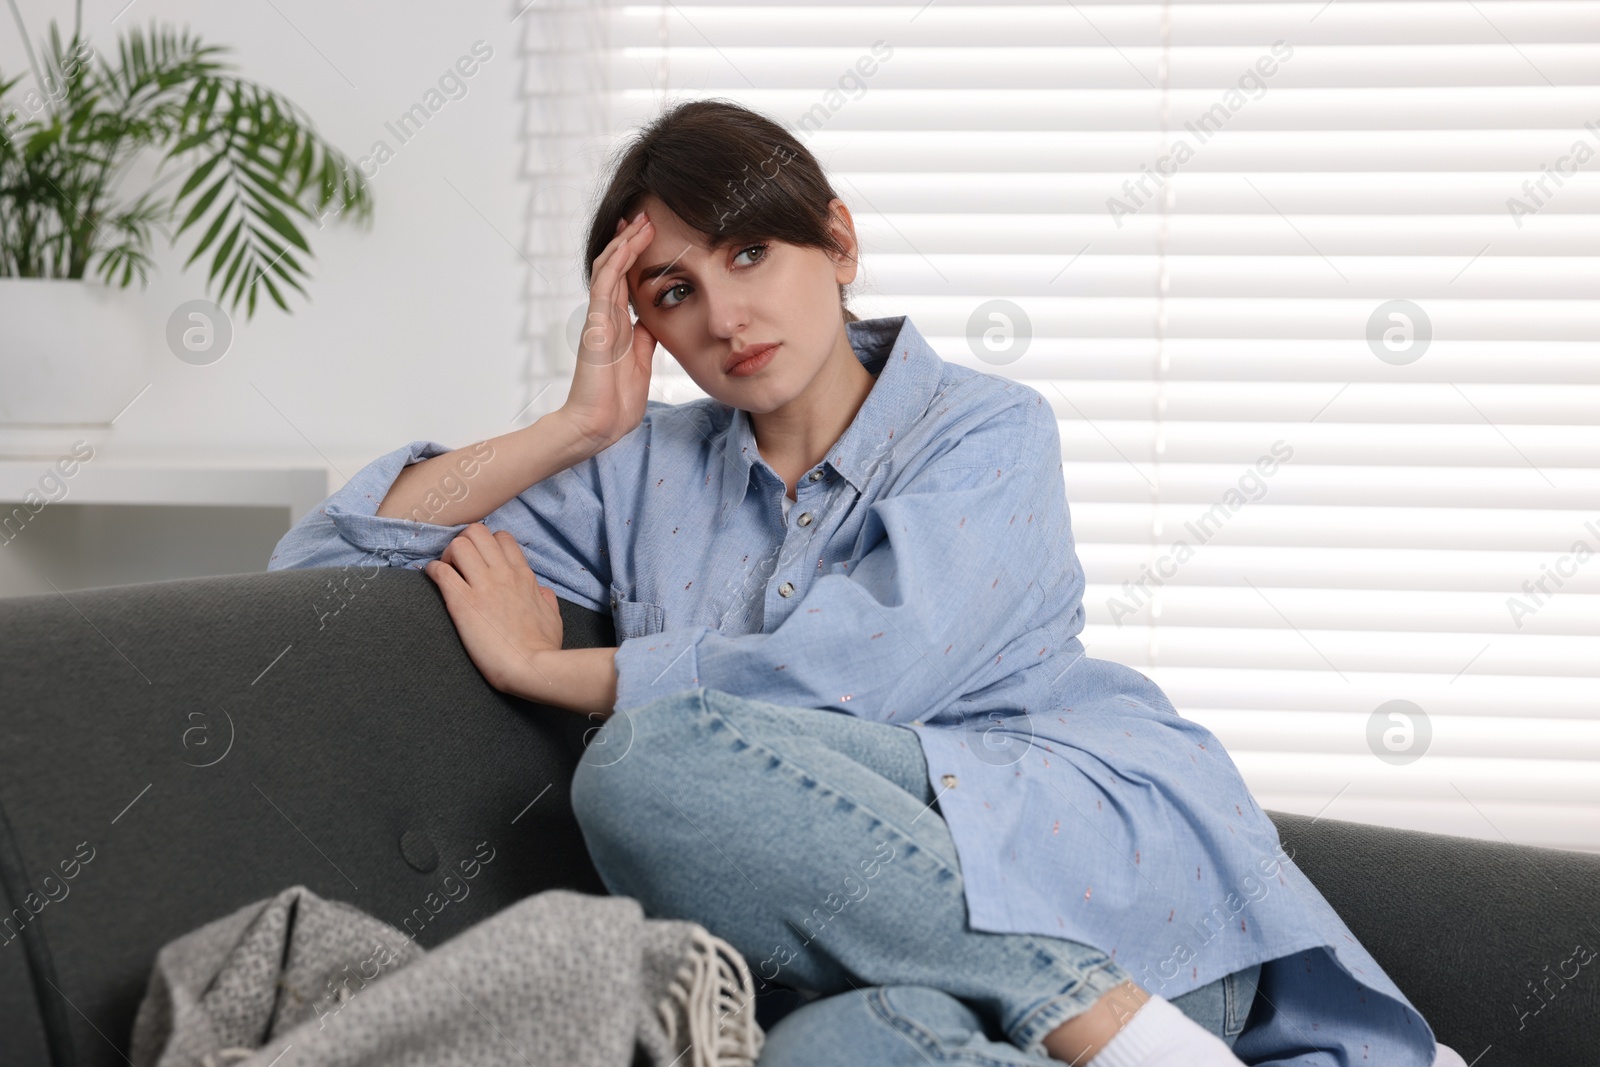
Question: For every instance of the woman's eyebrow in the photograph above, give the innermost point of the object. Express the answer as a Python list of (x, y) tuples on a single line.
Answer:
[(648, 273)]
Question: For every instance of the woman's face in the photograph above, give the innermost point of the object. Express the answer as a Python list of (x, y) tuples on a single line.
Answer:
[(705, 306)]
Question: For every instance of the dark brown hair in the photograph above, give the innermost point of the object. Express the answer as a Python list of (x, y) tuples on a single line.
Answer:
[(726, 171)]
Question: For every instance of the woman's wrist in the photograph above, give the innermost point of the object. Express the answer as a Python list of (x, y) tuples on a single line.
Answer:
[(582, 680), (579, 443), (592, 443)]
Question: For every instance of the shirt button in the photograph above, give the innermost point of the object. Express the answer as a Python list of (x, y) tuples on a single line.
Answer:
[(815, 475), (805, 519), (949, 781), (786, 589)]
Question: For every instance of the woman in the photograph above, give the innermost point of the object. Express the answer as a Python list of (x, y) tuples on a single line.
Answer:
[(849, 725)]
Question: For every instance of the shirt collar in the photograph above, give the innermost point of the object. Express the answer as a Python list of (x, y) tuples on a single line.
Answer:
[(908, 372)]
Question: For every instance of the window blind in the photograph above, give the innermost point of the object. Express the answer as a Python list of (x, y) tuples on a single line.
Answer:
[(1314, 289)]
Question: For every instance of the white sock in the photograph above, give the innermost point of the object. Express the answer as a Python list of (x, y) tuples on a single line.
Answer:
[(1445, 1056), (1159, 1035)]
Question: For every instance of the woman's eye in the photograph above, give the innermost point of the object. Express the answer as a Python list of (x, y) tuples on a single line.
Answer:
[(657, 302)]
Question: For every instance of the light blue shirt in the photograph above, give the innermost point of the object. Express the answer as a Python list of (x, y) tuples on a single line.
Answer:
[(925, 576)]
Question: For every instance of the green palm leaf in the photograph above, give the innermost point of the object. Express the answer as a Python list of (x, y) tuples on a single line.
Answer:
[(253, 168)]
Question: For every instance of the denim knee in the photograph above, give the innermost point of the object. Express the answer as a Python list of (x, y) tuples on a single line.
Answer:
[(624, 757)]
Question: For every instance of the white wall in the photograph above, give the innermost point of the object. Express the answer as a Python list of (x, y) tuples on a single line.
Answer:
[(413, 329)]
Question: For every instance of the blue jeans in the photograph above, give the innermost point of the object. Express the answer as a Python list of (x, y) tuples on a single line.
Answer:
[(811, 842)]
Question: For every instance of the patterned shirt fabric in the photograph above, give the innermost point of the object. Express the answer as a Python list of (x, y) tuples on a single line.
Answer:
[(925, 576)]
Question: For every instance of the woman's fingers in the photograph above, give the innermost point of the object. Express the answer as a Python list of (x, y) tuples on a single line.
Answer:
[(487, 543), (477, 550), (644, 347), (608, 264), (597, 269), (635, 239), (464, 558), (511, 550), (446, 577), (609, 281), (473, 553)]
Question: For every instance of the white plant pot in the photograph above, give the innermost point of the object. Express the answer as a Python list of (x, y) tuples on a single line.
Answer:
[(73, 355)]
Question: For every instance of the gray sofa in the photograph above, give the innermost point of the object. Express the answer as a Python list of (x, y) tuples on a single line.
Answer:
[(172, 751)]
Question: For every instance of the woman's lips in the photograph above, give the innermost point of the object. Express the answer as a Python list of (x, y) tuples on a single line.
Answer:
[(755, 357)]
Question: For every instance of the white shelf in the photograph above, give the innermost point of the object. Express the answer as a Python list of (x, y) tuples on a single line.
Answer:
[(170, 481)]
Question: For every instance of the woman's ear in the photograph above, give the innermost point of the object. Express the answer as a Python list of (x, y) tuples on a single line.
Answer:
[(843, 227)]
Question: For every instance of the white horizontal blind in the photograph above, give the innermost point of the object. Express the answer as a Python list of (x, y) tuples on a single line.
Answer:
[(1202, 213)]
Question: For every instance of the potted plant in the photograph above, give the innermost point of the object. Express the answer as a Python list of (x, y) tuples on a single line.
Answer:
[(252, 168)]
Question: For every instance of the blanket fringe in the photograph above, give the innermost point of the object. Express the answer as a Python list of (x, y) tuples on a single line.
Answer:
[(715, 994), (222, 1055)]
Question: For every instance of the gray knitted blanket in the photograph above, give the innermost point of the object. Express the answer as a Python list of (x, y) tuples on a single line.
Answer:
[(559, 978)]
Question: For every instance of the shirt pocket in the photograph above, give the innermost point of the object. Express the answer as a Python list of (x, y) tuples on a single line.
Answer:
[(635, 618)]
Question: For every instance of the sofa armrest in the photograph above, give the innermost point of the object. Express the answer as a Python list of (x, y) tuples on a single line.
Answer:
[(1476, 933)]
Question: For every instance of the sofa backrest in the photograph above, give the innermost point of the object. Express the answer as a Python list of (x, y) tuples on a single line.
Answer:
[(173, 751)]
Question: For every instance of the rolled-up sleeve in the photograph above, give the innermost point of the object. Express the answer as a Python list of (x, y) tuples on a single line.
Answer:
[(559, 522), (942, 604)]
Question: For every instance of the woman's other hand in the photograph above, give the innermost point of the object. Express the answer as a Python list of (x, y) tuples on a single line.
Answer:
[(504, 616), (612, 377)]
